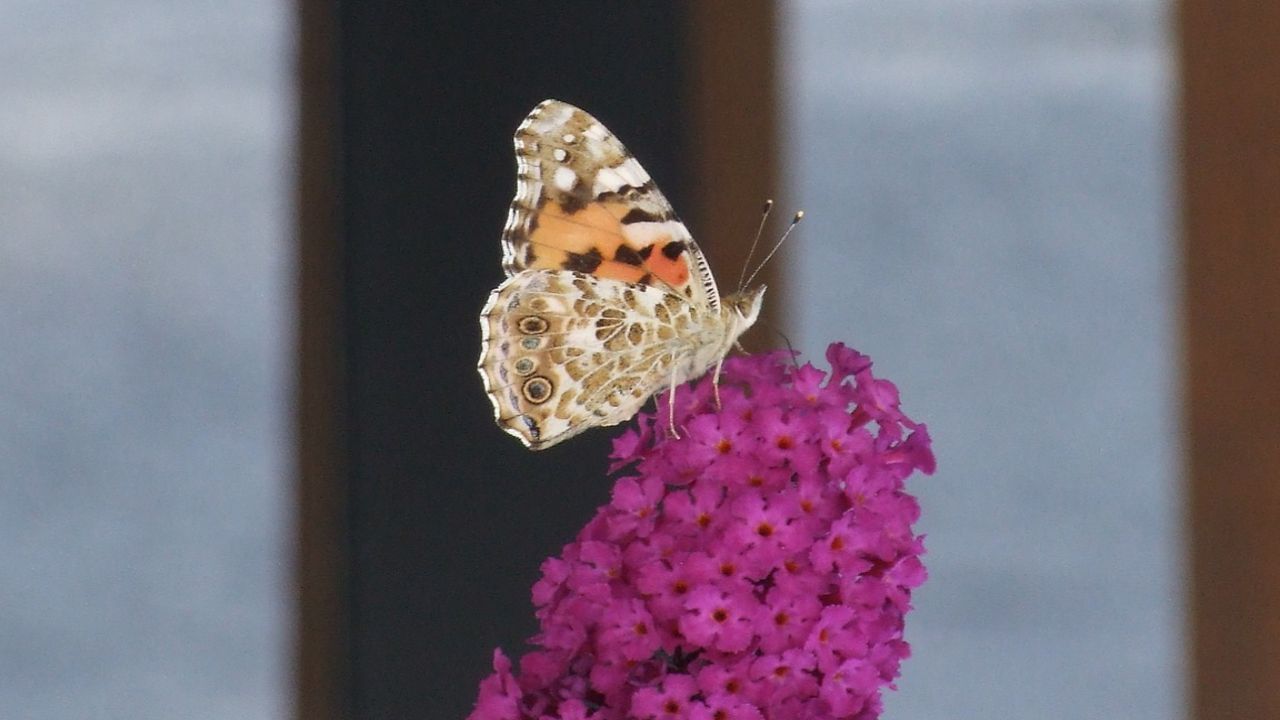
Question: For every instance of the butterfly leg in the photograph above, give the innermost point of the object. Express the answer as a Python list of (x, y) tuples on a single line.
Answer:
[(671, 407), (715, 384)]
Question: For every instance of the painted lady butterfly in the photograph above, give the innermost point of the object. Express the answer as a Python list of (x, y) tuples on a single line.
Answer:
[(607, 300)]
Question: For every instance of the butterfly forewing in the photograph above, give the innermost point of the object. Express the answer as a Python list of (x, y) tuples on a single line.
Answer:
[(584, 203)]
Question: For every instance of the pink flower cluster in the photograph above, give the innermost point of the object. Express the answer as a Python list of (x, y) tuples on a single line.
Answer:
[(758, 566)]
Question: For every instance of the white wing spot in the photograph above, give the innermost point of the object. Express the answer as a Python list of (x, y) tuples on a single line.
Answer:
[(549, 117), (607, 180), (570, 138), (565, 179), (632, 173), (559, 154), (646, 233)]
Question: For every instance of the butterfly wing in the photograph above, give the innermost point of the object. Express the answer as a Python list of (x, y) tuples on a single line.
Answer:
[(564, 351), (584, 204)]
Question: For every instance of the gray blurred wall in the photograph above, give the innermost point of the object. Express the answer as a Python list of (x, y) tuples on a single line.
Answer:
[(144, 311), (989, 216)]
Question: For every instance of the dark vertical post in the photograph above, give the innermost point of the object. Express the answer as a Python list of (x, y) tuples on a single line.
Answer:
[(422, 525), (1231, 222), (449, 517)]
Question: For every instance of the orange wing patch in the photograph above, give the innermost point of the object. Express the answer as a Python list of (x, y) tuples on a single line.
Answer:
[(666, 262), (595, 239)]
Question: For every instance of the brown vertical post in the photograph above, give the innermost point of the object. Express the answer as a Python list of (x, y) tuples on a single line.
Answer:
[(733, 141), (319, 568), (1230, 127)]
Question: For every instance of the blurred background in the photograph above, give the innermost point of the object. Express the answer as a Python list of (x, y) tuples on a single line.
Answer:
[(145, 358), (989, 216), (991, 196)]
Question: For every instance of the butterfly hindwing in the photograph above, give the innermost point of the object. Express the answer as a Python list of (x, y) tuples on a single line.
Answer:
[(564, 351)]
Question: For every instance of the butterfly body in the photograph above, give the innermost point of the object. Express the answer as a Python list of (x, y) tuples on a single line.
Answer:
[(607, 299)]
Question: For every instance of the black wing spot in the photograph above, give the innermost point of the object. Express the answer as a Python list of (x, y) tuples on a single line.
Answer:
[(639, 215), (583, 262), (672, 250), (628, 255), (532, 426), (645, 252), (572, 204)]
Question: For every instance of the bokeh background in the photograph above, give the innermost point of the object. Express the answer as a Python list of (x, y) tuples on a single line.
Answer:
[(987, 185), (145, 358), (989, 216)]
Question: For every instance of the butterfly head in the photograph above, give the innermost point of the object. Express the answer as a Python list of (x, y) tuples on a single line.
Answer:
[(744, 307)]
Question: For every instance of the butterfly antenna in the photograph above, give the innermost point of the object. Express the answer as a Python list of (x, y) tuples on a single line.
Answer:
[(794, 221), (764, 215), (791, 351)]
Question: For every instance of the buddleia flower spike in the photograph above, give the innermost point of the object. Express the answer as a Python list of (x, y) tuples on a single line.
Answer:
[(760, 566)]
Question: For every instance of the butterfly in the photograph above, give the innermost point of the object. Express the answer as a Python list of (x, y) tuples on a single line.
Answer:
[(607, 299)]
